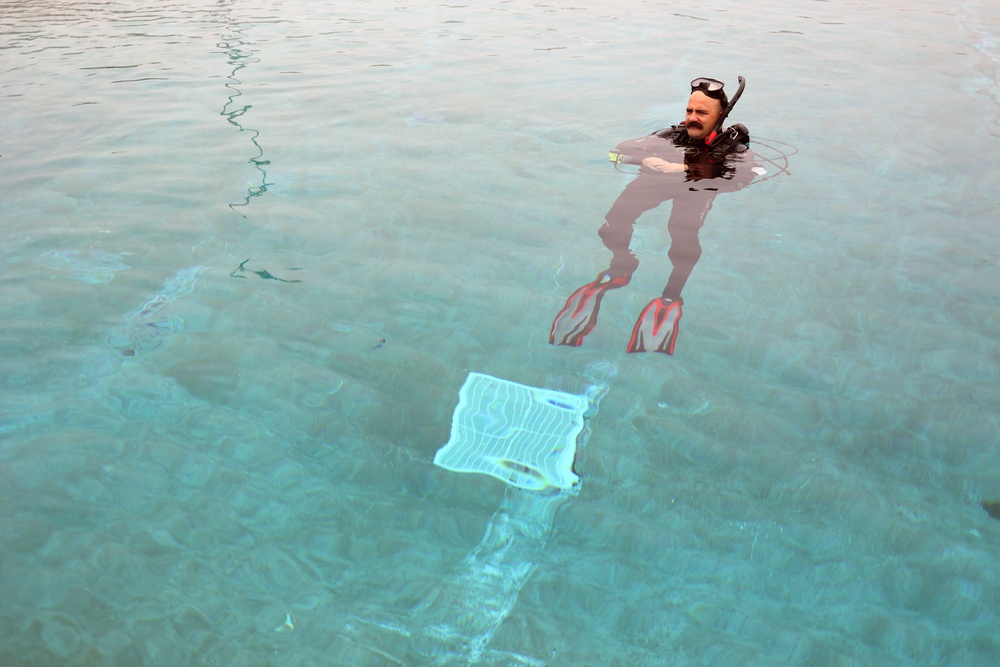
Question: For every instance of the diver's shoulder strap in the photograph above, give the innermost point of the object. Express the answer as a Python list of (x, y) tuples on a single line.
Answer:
[(735, 139)]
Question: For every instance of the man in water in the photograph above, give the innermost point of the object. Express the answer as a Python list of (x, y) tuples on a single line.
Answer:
[(689, 163)]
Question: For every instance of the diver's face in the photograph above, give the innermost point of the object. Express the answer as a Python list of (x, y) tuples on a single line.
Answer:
[(702, 114)]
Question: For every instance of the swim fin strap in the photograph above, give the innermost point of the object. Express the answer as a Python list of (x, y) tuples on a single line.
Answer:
[(657, 327)]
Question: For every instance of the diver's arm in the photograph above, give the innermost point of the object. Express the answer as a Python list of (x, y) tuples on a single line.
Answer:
[(637, 151), (652, 152), (661, 165)]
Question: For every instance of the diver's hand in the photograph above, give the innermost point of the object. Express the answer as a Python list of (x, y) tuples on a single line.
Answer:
[(661, 165)]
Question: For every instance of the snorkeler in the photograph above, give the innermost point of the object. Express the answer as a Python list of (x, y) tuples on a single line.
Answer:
[(689, 163)]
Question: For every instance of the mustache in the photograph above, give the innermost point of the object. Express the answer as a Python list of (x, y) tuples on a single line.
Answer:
[(696, 125)]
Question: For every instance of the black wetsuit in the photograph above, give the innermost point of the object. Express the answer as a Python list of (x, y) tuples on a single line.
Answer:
[(725, 167)]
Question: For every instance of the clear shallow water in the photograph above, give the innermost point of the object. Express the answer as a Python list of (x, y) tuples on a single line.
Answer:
[(799, 484)]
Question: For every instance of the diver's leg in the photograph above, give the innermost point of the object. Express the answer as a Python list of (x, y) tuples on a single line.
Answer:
[(658, 325), (686, 220), (643, 194), (579, 316)]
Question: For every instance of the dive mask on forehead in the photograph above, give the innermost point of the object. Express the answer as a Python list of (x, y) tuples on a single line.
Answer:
[(711, 87)]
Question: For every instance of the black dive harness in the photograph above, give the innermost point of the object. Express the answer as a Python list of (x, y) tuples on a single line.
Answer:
[(735, 139)]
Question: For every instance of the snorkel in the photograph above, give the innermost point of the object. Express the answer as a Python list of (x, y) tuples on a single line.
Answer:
[(725, 112)]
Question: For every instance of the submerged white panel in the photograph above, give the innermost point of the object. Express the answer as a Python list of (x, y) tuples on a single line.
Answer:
[(524, 436)]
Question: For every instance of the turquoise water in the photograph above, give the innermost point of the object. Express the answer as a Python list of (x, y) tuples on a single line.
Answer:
[(251, 252)]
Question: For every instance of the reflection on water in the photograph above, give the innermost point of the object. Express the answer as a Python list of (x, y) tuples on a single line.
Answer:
[(240, 53), (263, 274)]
